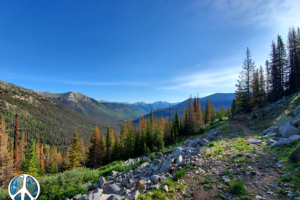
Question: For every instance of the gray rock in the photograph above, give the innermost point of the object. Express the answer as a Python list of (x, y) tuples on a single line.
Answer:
[(135, 194), (114, 197), (179, 159), (102, 182), (189, 149), (165, 187), (155, 178), (77, 197), (187, 143), (165, 164), (281, 142), (86, 185), (270, 135), (111, 189), (254, 141), (128, 162), (177, 151), (253, 127), (204, 141), (226, 180), (294, 137), (114, 173), (287, 130)]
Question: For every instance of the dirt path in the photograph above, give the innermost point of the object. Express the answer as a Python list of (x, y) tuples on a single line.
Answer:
[(247, 132)]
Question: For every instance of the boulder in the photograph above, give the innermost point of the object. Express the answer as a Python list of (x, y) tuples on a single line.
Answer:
[(155, 178), (179, 159), (165, 187), (114, 197), (165, 164), (128, 162), (114, 173), (254, 141), (296, 122), (270, 135), (135, 194), (187, 143), (189, 149), (86, 185), (287, 130), (139, 184), (294, 137), (77, 197), (111, 189), (204, 141), (295, 156), (102, 182), (253, 127), (281, 142), (176, 152)]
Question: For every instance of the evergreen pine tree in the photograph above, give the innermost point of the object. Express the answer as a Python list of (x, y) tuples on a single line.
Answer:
[(75, 157), (130, 139), (94, 149), (103, 148), (31, 160)]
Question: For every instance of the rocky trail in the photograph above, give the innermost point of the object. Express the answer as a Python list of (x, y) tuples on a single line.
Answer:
[(229, 162)]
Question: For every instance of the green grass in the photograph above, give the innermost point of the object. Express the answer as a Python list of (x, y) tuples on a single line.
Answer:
[(188, 167), (238, 187), (282, 191), (225, 172), (180, 187), (179, 174), (205, 181)]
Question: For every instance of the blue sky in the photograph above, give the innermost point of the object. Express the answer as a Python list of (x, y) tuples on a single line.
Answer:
[(129, 51)]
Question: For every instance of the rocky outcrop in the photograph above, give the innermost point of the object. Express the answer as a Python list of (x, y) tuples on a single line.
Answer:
[(287, 130)]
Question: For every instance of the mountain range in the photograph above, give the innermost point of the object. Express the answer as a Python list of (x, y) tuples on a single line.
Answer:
[(146, 107), (217, 99)]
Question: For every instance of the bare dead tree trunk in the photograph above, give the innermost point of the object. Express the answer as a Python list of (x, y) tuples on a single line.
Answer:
[(16, 144)]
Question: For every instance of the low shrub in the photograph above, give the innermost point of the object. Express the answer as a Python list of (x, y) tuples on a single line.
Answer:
[(238, 187), (179, 174), (211, 144), (121, 168), (159, 194), (152, 156)]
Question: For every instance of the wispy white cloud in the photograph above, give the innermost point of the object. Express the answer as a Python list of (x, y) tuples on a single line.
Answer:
[(206, 79), (106, 83)]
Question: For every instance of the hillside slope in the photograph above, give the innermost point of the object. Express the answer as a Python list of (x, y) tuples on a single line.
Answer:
[(47, 119)]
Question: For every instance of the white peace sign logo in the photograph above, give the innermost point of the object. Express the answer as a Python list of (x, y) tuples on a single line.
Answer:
[(20, 194)]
